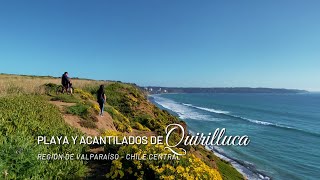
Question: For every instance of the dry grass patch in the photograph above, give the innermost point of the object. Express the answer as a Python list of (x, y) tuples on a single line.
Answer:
[(19, 84)]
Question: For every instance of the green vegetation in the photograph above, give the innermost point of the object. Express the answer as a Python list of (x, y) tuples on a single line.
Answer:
[(226, 170), (84, 107), (188, 167), (140, 127), (81, 110), (22, 120), (24, 117), (86, 112), (54, 91), (133, 104), (129, 106), (51, 88), (65, 98), (121, 122)]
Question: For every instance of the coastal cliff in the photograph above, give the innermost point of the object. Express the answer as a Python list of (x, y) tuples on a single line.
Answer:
[(30, 107)]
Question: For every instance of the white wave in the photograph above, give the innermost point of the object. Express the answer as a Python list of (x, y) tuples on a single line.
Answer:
[(186, 111), (257, 121), (263, 122), (208, 109), (228, 113), (183, 112), (244, 118)]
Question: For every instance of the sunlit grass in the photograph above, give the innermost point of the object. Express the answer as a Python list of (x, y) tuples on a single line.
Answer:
[(20, 84)]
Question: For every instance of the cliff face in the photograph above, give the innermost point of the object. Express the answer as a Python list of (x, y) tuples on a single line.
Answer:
[(128, 112), (131, 102)]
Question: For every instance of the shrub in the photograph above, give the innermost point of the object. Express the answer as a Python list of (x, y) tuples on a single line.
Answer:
[(65, 98), (83, 94), (22, 120), (119, 96), (51, 88), (148, 121), (121, 122), (88, 124), (131, 102), (96, 107), (86, 112), (81, 110), (140, 127), (116, 115), (226, 170), (91, 89), (122, 127), (188, 167)]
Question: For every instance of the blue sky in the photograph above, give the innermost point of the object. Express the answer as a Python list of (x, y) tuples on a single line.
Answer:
[(274, 43)]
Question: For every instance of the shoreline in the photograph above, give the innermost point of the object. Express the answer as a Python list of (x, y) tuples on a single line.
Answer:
[(240, 166), (248, 171)]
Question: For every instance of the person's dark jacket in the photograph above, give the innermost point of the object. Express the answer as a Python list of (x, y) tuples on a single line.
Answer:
[(100, 96), (64, 80)]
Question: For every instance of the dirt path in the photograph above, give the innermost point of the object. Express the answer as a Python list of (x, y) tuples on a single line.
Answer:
[(98, 169), (104, 123)]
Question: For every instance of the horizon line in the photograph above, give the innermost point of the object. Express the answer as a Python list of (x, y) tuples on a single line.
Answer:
[(313, 91)]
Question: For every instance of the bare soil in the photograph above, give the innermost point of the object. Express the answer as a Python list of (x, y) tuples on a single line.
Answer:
[(104, 123)]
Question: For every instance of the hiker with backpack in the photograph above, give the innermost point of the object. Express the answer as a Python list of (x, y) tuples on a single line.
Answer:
[(101, 98)]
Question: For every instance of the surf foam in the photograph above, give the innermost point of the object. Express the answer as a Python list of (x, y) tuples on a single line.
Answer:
[(207, 109), (183, 112)]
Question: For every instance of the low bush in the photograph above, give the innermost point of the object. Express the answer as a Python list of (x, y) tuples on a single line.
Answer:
[(187, 167), (140, 127), (131, 102), (22, 120), (122, 127), (65, 98), (51, 88), (149, 122), (121, 122), (81, 110), (91, 89), (86, 112), (119, 96), (83, 94), (88, 124), (116, 115), (226, 170)]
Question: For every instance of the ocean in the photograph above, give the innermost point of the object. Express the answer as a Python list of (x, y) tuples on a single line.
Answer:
[(284, 130)]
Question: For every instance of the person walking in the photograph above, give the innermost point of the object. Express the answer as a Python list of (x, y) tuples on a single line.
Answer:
[(101, 98)]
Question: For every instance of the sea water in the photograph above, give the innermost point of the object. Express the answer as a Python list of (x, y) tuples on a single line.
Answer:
[(284, 129)]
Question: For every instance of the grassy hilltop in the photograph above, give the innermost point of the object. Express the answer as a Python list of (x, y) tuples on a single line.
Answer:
[(30, 107)]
